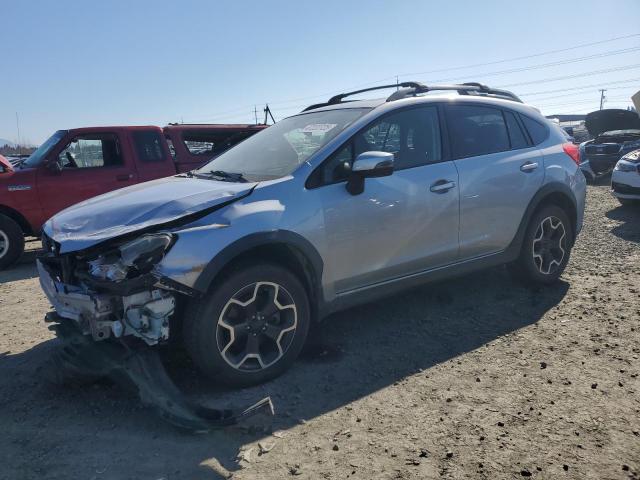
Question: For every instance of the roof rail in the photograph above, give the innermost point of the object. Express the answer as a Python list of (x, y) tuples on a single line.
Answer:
[(411, 89)]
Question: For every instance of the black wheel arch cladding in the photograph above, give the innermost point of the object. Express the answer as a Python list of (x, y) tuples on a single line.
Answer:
[(312, 264), (555, 193)]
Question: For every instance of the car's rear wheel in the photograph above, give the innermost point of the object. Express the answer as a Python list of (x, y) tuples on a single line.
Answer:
[(250, 327), (545, 248), (11, 241)]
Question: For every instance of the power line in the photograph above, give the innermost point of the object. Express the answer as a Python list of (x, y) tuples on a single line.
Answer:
[(579, 102), (488, 74), (582, 111), (589, 92), (529, 94), (513, 59), (495, 62), (543, 65), (567, 77)]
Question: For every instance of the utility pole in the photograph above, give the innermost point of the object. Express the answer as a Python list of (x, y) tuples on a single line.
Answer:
[(255, 113), (602, 97), (397, 83), (18, 127), (267, 113)]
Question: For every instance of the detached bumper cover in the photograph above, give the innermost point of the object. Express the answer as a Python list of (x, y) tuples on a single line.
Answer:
[(143, 370)]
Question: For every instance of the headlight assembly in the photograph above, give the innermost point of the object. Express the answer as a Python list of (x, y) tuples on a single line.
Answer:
[(132, 258), (622, 166), (632, 145)]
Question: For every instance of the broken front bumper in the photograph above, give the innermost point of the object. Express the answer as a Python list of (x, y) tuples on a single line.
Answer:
[(144, 314), (90, 326), (143, 370)]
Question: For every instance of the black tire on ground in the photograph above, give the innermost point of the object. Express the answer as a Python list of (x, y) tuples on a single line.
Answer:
[(533, 266), (213, 348), (11, 241), (628, 201)]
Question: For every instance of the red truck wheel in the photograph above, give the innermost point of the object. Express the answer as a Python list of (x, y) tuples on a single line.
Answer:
[(11, 242)]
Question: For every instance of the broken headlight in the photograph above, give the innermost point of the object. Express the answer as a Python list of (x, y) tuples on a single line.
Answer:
[(132, 258)]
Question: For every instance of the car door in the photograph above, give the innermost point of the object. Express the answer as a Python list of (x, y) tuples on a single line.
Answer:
[(90, 164), (153, 159), (499, 173), (401, 224)]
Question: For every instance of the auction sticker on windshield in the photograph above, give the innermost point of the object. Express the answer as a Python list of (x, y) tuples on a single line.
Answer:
[(319, 127)]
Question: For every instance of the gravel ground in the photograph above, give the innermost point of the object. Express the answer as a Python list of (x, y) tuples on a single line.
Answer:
[(470, 378)]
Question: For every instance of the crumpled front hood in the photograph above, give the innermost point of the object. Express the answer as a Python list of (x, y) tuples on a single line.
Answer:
[(137, 207)]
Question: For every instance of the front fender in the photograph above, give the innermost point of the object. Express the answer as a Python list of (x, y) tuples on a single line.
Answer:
[(205, 247)]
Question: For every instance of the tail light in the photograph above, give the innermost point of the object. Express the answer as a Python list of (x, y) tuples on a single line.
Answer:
[(573, 151)]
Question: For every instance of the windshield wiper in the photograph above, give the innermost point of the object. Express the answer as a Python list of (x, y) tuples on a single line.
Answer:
[(227, 176)]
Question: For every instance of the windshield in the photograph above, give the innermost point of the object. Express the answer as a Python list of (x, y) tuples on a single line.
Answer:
[(278, 150), (38, 156)]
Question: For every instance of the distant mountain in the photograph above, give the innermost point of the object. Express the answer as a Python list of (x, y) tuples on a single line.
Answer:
[(4, 142)]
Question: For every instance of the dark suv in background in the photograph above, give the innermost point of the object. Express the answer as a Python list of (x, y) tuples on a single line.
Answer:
[(616, 133)]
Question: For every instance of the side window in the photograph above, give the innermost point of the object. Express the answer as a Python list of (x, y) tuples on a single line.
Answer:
[(518, 140), (476, 130), (148, 146), (172, 149), (212, 143), (537, 131), (413, 136), (91, 151)]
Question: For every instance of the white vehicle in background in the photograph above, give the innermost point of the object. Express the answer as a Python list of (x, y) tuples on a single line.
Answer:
[(625, 179)]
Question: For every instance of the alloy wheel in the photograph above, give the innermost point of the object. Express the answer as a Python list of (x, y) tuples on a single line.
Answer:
[(549, 245), (4, 244), (256, 326)]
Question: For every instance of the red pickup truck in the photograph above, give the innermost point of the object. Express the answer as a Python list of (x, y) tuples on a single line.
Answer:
[(74, 165)]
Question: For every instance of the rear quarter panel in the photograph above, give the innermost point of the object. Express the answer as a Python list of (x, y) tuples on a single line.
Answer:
[(559, 167)]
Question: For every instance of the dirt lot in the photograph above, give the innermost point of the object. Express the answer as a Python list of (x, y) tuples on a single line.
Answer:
[(472, 378)]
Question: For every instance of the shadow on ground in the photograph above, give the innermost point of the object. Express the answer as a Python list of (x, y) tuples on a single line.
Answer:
[(629, 216), (24, 268), (361, 351)]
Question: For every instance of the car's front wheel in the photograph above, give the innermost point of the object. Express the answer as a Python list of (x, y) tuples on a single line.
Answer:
[(250, 327), (545, 248)]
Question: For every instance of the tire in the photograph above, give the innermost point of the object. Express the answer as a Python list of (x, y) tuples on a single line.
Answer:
[(628, 201), (11, 242), (221, 330), (546, 247)]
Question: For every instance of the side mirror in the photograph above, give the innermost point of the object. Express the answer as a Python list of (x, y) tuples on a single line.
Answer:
[(369, 165), (55, 166)]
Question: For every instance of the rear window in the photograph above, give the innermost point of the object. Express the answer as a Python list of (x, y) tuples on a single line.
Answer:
[(148, 146), (537, 131), (476, 130), (209, 144), (518, 139)]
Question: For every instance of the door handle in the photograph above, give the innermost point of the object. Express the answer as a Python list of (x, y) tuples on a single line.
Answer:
[(529, 166), (442, 186), (124, 177)]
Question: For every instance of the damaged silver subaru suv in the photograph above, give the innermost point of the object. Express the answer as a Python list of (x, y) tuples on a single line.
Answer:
[(346, 202)]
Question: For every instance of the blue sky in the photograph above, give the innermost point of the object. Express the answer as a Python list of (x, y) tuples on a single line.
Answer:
[(81, 63)]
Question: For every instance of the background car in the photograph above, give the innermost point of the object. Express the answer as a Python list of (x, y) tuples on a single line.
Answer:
[(625, 179), (616, 132)]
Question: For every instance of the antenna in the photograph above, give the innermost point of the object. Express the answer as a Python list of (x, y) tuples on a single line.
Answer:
[(18, 127)]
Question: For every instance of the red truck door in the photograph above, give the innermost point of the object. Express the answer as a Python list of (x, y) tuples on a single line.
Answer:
[(90, 164), (153, 159)]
